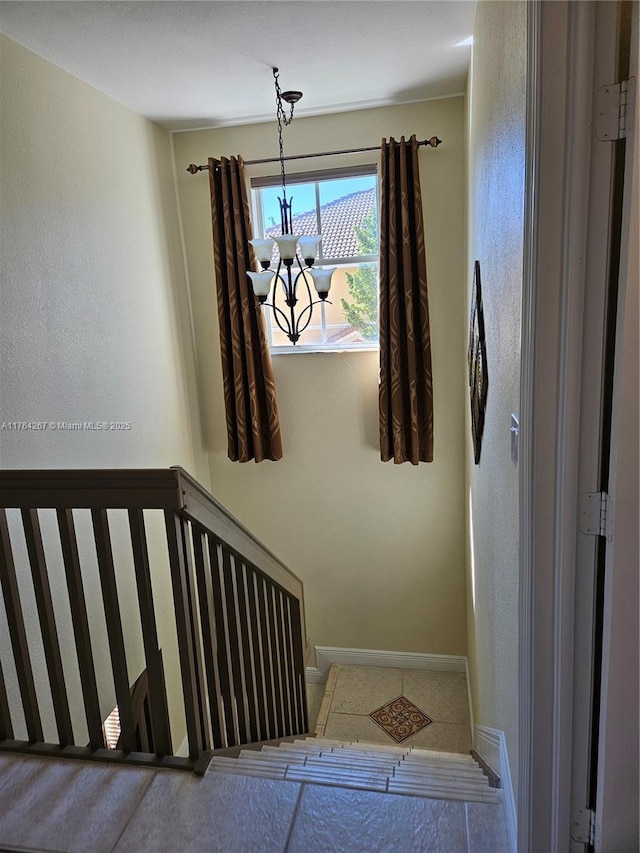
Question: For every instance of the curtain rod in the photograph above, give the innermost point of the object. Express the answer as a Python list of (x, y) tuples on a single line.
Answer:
[(433, 143)]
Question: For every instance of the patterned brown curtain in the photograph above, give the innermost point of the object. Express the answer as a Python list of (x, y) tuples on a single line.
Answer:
[(253, 427), (406, 393)]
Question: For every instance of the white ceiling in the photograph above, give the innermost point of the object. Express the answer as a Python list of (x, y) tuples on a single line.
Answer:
[(206, 64)]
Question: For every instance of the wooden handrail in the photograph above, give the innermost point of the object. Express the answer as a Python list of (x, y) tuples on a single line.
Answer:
[(135, 488), (239, 613)]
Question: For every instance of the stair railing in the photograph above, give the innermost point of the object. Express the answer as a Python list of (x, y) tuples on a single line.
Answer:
[(238, 611)]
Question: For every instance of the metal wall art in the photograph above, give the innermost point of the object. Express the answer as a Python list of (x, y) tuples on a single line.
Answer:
[(478, 368)]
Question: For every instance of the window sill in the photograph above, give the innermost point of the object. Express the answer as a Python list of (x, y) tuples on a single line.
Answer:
[(301, 348)]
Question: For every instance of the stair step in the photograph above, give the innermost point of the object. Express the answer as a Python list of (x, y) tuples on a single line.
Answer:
[(434, 753), (370, 753), (335, 761), (411, 771), (293, 754), (310, 747), (244, 768), (336, 776), (480, 795), (437, 762), (320, 740), (437, 773), (365, 746), (276, 758), (438, 779)]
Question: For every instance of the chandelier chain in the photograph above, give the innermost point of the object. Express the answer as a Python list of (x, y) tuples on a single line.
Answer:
[(281, 116)]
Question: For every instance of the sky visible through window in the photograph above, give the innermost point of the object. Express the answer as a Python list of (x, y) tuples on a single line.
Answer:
[(304, 198)]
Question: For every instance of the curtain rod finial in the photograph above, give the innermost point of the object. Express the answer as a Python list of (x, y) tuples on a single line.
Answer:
[(434, 142)]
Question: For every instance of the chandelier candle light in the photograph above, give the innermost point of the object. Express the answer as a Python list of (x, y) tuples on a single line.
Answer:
[(293, 249)]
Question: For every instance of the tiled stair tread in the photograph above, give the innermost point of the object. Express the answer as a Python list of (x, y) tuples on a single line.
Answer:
[(298, 746), (254, 755), (266, 771), (294, 754), (338, 773), (436, 793), (419, 761), (333, 777), (429, 779), (367, 766), (363, 758), (335, 760), (434, 753), (328, 762), (420, 785), (248, 764), (467, 778), (437, 762), (274, 753), (362, 746)]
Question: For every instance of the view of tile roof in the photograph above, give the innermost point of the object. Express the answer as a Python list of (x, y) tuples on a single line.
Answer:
[(338, 218)]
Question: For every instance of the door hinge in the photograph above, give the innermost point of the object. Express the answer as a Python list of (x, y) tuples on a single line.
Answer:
[(583, 826), (615, 105), (596, 514)]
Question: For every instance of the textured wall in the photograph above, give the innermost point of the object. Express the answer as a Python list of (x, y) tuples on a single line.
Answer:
[(89, 261), (91, 276), (496, 128), (380, 548)]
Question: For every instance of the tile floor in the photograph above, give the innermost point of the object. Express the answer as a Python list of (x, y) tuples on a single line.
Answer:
[(57, 806), (49, 805), (354, 692)]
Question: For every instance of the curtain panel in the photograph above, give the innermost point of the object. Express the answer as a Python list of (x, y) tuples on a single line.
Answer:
[(406, 386), (253, 427)]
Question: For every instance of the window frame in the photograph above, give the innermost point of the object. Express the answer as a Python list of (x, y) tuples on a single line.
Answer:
[(317, 177)]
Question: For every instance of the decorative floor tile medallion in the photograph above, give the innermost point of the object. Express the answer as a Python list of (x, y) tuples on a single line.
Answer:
[(400, 719)]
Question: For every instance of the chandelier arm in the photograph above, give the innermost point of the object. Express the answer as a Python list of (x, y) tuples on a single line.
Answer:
[(288, 330), (309, 307)]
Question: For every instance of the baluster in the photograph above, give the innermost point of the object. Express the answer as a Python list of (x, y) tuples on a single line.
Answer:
[(208, 623), (196, 636), (158, 711), (298, 656), (236, 656), (253, 619), (48, 630), (245, 646), (6, 729), (265, 656), (222, 641), (193, 698), (18, 634), (283, 643), (293, 681), (80, 622), (113, 621), (274, 654)]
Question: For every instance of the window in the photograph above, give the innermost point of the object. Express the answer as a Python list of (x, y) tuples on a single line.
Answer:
[(342, 205)]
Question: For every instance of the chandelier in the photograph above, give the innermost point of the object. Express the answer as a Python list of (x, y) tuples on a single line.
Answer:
[(290, 283)]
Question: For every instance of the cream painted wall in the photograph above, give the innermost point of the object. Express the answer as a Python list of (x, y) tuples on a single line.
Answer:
[(496, 167), (93, 313), (380, 548)]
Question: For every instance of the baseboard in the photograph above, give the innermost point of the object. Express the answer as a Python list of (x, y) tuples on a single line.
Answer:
[(313, 675), (471, 717), (326, 655), (491, 744)]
